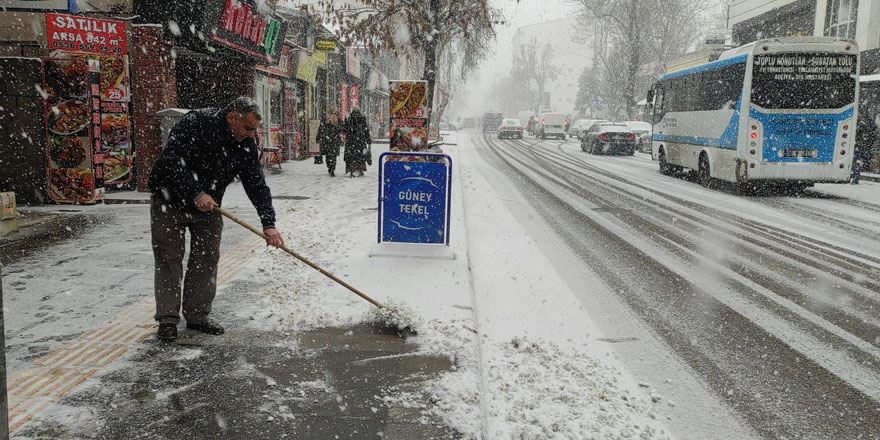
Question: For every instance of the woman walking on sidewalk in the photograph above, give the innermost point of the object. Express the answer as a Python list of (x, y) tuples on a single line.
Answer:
[(357, 143), (330, 140)]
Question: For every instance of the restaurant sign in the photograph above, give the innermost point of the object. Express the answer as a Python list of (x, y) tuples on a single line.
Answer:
[(244, 28), (83, 34)]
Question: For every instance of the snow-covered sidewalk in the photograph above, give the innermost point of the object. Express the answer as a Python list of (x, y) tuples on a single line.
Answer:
[(525, 357), (527, 362)]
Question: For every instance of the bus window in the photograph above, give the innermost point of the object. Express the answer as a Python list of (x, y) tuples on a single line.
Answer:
[(658, 105)]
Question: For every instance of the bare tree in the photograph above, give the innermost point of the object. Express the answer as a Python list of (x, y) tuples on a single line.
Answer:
[(633, 39), (428, 29), (504, 95), (533, 70)]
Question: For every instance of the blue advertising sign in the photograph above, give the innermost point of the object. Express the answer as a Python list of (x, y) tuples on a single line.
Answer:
[(39, 5), (414, 199)]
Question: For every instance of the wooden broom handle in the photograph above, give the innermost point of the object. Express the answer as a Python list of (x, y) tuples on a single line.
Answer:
[(301, 258)]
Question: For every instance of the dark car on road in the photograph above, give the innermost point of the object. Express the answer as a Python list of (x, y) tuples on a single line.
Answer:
[(609, 138)]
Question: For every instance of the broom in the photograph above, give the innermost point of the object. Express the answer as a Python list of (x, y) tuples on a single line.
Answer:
[(392, 317)]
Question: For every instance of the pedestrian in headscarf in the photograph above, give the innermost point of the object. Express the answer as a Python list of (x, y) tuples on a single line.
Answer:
[(330, 139), (357, 143)]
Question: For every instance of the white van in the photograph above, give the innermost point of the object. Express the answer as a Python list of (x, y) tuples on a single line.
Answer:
[(552, 125)]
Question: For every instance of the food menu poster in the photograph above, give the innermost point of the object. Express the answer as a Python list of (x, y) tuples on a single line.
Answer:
[(409, 123), (88, 127), (115, 135), (69, 89)]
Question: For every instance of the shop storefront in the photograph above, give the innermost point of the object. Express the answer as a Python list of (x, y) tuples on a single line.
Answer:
[(195, 54), (240, 36), (270, 84), (311, 69)]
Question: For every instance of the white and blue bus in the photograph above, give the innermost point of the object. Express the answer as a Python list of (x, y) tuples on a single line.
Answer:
[(778, 110)]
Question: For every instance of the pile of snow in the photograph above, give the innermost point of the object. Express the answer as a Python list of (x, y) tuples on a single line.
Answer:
[(544, 391)]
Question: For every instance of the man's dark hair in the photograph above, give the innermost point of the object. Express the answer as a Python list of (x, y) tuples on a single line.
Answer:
[(245, 105)]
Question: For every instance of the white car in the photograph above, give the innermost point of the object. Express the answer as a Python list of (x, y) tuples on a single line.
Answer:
[(642, 131), (510, 128)]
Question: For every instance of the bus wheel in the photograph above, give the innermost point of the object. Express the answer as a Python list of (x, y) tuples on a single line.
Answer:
[(703, 172), (665, 168)]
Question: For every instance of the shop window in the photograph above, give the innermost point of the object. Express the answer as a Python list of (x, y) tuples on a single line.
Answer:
[(841, 18)]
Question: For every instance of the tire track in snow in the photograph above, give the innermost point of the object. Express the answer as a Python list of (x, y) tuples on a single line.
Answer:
[(736, 316)]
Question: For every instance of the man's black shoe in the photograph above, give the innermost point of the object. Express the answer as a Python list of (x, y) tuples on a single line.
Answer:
[(209, 326), (167, 332)]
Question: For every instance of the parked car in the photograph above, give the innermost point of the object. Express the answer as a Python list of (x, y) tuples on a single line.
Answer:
[(609, 138), (551, 125), (642, 131), (582, 125), (510, 128)]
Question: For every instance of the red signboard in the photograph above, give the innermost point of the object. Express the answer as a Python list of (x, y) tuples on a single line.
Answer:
[(243, 27), (354, 96), (343, 102), (74, 33)]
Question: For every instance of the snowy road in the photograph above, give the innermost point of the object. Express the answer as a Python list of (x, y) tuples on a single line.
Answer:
[(770, 304)]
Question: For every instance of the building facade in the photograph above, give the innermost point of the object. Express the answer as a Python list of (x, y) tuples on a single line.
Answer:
[(79, 116)]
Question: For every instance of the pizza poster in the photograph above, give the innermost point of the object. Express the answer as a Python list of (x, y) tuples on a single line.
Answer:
[(409, 123)]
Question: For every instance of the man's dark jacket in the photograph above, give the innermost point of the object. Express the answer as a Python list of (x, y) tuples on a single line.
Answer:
[(201, 156)]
